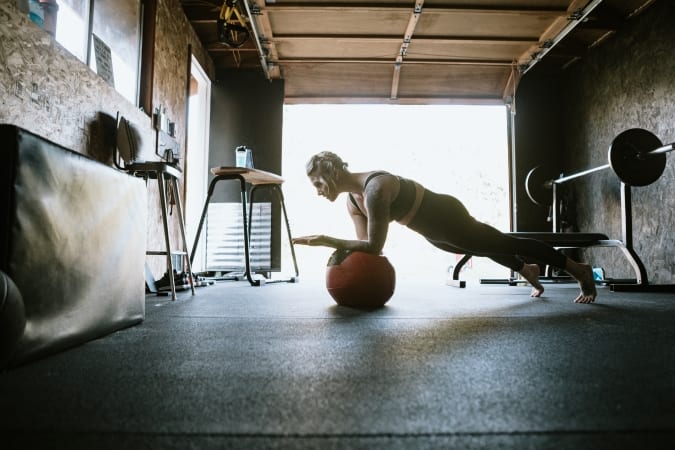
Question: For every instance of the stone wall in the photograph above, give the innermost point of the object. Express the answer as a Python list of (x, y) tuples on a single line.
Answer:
[(627, 82)]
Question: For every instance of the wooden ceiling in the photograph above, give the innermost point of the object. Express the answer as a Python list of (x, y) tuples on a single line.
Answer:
[(404, 51)]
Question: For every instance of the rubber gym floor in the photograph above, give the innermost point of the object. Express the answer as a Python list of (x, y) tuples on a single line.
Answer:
[(281, 366)]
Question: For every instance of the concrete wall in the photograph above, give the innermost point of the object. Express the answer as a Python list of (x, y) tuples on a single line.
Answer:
[(46, 90), (247, 109), (626, 82), (537, 143)]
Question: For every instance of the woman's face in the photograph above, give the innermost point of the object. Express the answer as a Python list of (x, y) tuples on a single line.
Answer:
[(323, 187)]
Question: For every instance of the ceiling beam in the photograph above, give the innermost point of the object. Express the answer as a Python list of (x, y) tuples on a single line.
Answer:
[(402, 8), (416, 100), (407, 38), (265, 28), (577, 12), (226, 49), (425, 39), (198, 11), (253, 11), (437, 62)]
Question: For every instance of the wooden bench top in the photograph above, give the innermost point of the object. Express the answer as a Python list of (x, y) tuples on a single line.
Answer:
[(253, 176)]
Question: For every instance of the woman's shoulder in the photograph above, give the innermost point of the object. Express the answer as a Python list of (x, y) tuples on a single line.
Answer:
[(379, 176), (381, 185)]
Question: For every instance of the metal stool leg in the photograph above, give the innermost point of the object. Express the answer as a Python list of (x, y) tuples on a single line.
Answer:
[(280, 198), (280, 195), (179, 207), (167, 239), (247, 260), (205, 209)]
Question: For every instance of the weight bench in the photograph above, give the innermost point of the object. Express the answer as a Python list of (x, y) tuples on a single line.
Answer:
[(638, 158), (571, 240)]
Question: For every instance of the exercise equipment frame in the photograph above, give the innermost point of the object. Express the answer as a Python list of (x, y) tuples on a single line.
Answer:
[(638, 158)]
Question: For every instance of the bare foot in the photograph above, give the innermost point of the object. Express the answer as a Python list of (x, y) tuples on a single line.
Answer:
[(588, 292), (531, 273)]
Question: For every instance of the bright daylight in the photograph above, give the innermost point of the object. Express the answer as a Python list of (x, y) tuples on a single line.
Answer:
[(458, 150)]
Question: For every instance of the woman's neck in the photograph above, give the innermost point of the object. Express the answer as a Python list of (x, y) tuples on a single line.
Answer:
[(354, 182)]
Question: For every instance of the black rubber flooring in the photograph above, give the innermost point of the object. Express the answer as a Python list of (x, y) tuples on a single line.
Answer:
[(281, 366)]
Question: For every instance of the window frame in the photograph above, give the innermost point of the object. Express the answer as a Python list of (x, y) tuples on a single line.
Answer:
[(144, 49)]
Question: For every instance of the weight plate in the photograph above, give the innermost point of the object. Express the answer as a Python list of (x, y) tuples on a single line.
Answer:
[(536, 186), (624, 160)]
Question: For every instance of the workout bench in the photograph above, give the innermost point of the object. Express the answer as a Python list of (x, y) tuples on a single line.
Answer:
[(570, 240), (638, 158)]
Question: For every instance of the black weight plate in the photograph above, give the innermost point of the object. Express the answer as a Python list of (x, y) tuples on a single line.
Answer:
[(537, 187), (624, 160)]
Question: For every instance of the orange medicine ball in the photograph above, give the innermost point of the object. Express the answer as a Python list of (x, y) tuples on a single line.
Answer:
[(359, 279)]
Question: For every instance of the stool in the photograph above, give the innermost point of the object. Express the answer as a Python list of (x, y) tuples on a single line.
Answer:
[(258, 179), (166, 175)]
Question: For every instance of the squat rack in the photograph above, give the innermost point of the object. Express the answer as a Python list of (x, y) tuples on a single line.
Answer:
[(638, 158)]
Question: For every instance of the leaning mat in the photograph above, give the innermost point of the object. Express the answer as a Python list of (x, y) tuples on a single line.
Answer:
[(73, 240)]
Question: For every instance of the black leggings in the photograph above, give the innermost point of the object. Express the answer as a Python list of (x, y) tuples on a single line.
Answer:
[(445, 222)]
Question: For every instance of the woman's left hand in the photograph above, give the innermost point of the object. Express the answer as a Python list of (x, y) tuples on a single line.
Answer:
[(315, 240)]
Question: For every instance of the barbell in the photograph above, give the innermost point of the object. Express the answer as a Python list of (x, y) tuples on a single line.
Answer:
[(636, 156)]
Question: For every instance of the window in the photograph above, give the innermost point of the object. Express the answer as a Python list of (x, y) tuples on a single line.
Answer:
[(105, 35), (71, 27)]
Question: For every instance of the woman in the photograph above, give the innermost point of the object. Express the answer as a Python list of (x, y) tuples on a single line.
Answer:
[(377, 198)]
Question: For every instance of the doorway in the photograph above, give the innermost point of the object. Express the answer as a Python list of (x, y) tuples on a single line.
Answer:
[(196, 165), (461, 150)]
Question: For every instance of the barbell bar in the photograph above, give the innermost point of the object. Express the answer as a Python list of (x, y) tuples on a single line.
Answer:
[(636, 156)]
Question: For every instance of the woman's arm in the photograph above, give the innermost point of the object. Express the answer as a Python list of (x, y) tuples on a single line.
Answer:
[(372, 230), (359, 219)]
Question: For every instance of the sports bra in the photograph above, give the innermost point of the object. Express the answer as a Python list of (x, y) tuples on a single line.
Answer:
[(405, 203)]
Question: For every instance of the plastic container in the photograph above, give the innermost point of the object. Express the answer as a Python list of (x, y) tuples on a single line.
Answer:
[(243, 157)]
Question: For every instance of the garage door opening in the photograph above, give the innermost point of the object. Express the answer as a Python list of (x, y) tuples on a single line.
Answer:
[(459, 150)]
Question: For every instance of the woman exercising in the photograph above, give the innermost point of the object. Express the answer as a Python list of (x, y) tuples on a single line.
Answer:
[(376, 198)]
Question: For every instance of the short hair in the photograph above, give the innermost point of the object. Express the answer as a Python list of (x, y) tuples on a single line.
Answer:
[(327, 164)]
